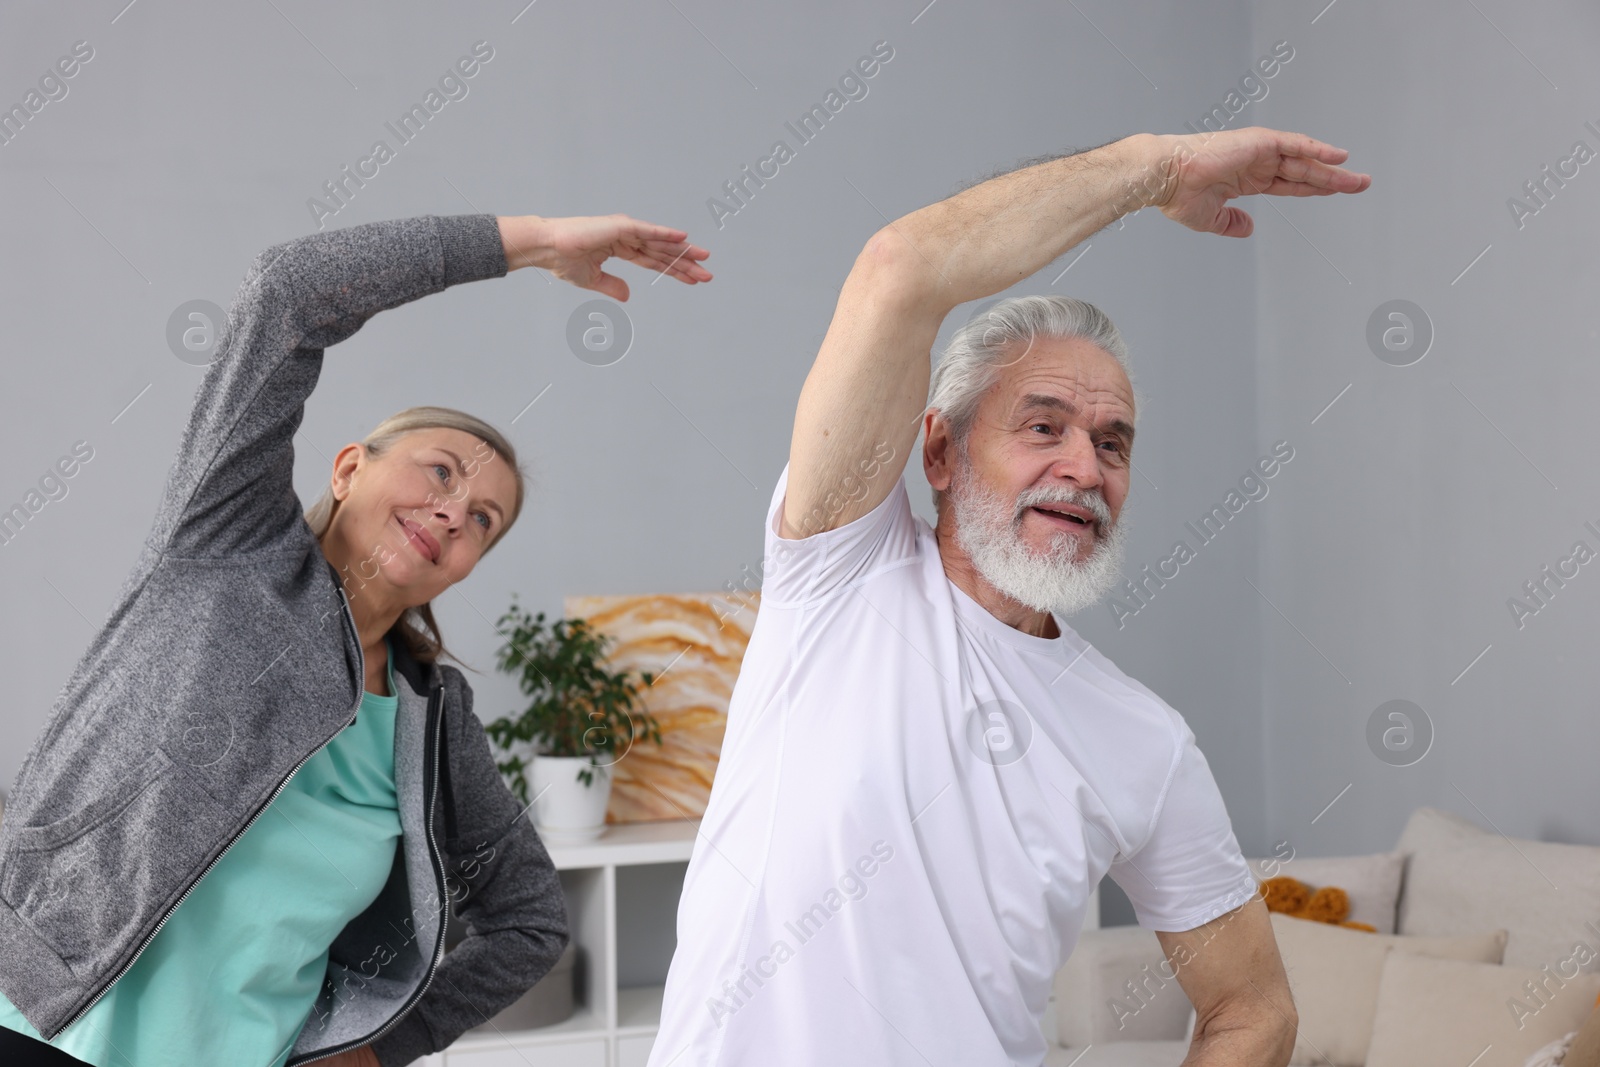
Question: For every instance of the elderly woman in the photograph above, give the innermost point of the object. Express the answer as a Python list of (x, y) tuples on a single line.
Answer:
[(236, 838)]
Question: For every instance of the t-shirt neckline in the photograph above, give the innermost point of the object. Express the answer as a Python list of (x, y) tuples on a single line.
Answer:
[(980, 617), (393, 699)]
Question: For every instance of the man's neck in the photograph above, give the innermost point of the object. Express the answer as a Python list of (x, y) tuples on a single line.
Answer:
[(959, 569)]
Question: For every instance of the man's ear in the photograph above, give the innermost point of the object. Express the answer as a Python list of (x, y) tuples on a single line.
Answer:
[(937, 454), (345, 464)]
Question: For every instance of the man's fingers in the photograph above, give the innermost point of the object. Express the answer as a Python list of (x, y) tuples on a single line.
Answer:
[(1283, 187), (1298, 144), (1334, 179), (1234, 222)]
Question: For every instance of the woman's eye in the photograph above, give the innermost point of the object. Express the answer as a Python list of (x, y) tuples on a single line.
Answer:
[(445, 477), (485, 517)]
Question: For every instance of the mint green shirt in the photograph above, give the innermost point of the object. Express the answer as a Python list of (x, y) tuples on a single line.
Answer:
[(232, 975)]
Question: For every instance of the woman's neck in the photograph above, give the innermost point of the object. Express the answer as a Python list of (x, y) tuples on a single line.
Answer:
[(374, 613)]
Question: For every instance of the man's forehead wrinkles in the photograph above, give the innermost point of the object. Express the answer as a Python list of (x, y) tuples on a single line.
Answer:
[(1098, 401)]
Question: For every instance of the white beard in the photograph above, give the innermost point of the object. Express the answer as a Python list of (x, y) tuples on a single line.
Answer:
[(990, 531)]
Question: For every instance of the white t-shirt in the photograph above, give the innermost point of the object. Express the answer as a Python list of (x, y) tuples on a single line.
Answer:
[(896, 857)]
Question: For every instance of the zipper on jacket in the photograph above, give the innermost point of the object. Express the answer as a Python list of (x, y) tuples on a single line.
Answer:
[(105, 988), (362, 657), (437, 724)]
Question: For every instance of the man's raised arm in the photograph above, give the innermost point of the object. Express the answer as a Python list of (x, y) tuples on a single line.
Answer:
[(869, 383)]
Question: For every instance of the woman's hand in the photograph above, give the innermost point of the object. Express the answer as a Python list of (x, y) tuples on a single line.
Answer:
[(574, 249), (361, 1056)]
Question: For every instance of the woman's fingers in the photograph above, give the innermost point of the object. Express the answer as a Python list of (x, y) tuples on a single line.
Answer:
[(610, 285), (661, 264), (663, 249), (676, 252), (679, 260), (668, 245), (650, 231)]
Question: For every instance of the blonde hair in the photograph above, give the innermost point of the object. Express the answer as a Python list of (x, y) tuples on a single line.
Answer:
[(416, 627)]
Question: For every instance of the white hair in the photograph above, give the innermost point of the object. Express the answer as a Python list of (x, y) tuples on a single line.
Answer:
[(973, 359)]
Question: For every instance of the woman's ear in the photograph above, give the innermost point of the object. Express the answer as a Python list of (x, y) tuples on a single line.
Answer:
[(345, 465)]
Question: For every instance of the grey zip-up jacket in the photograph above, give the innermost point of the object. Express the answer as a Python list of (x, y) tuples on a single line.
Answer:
[(228, 659)]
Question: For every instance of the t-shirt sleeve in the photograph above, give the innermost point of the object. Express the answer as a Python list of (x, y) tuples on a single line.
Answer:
[(1189, 869), (810, 569)]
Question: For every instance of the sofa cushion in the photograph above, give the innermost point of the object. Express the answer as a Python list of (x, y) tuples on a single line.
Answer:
[(1460, 878), (1372, 881), (1431, 827), (1094, 1003), (1456, 1012), (1120, 1054), (1334, 973), (1585, 1048), (1552, 1055)]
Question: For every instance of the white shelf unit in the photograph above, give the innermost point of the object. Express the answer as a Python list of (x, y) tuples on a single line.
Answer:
[(613, 1026)]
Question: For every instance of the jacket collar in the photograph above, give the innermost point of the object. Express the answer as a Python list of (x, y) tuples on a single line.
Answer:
[(417, 674)]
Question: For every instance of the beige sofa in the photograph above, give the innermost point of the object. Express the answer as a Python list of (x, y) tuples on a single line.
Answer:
[(1494, 953)]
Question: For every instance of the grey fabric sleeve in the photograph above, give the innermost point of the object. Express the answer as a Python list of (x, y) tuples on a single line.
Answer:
[(230, 491)]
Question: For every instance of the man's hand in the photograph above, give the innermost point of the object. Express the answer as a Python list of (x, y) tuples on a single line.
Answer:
[(1197, 174), (360, 1056), (574, 249), (868, 388)]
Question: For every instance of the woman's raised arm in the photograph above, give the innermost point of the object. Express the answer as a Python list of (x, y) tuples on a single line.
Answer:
[(229, 493)]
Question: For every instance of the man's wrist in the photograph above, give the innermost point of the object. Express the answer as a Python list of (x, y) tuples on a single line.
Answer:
[(1148, 171)]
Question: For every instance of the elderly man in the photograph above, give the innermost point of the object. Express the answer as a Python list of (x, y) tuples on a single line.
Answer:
[(926, 771)]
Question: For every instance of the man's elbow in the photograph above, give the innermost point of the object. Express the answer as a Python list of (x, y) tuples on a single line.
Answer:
[(1269, 1027), (898, 271), (1286, 1029)]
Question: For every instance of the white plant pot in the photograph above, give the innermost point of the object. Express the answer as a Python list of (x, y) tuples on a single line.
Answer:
[(566, 811)]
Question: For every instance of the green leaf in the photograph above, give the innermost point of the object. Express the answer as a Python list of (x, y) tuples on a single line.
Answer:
[(576, 705)]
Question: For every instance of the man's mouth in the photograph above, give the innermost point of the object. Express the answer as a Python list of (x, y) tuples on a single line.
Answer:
[(420, 540), (1065, 516)]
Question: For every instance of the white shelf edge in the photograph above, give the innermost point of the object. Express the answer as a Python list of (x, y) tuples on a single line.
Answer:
[(629, 844), (585, 1022), (639, 1007)]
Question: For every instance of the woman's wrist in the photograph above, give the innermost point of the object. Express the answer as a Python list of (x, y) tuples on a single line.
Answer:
[(525, 239)]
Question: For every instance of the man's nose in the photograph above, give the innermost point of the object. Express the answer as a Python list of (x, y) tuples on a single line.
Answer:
[(1075, 460)]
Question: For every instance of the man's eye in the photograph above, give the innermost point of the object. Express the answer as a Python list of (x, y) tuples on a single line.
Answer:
[(1046, 425)]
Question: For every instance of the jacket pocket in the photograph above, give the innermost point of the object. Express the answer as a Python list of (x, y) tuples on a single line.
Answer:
[(83, 881)]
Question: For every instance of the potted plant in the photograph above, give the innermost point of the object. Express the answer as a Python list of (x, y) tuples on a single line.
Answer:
[(583, 718)]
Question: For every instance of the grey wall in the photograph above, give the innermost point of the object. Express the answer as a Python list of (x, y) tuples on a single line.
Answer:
[(196, 135), (1422, 501)]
